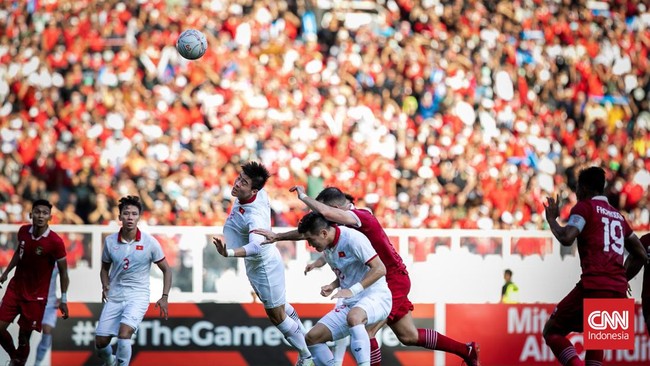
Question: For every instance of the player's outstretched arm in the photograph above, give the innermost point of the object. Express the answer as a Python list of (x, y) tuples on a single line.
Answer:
[(334, 214), (271, 237), (163, 303), (224, 251), (637, 258), (64, 281), (318, 263), (566, 235)]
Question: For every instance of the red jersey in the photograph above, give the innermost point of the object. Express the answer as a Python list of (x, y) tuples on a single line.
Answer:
[(645, 292), (37, 258), (601, 244), (371, 228)]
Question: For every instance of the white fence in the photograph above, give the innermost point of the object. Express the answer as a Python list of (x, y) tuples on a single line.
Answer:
[(450, 266)]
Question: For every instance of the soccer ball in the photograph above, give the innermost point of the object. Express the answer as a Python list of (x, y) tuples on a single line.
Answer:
[(191, 44)]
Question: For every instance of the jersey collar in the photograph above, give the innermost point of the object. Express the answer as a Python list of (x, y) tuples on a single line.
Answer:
[(250, 200), (337, 236), (600, 198), (44, 235), (138, 236)]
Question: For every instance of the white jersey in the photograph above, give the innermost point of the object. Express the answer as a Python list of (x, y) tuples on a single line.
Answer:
[(51, 295), (130, 265), (265, 270), (348, 256), (245, 217)]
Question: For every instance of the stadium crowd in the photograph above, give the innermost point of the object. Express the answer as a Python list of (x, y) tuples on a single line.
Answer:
[(440, 114)]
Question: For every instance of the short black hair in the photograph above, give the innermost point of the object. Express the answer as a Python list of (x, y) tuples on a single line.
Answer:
[(42, 202), (332, 196), (508, 272), (350, 198), (593, 180), (257, 173), (312, 223), (130, 201)]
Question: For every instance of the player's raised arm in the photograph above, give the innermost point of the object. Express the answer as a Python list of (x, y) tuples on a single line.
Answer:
[(566, 235), (334, 214)]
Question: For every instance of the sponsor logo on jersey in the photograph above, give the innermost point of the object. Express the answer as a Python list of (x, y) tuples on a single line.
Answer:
[(341, 254), (139, 247)]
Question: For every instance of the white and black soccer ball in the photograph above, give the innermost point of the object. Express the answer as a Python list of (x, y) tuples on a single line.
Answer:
[(191, 44)]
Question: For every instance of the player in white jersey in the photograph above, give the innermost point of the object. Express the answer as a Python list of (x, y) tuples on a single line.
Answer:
[(49, 319), (264, 265), (361, 282), (128, 255)]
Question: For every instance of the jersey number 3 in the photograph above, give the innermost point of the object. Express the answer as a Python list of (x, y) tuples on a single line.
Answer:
[(613, 235)]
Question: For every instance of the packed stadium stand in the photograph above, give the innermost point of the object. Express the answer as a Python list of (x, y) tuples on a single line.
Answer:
[(436, 114)]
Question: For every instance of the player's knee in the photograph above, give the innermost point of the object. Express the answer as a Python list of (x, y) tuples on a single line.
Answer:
[(102, 342), (548, 330), (311, 339), (408, 339), (356, 317)]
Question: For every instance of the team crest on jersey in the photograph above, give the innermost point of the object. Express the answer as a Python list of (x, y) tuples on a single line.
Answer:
[(241, 210), (341, 254), (139, 247), (39, 250)]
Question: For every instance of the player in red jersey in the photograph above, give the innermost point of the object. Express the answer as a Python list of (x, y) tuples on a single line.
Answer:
[(645, 292), (337, 207), (39, 249), (603, 236)]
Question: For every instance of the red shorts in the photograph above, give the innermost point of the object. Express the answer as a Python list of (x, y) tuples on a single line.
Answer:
[(399, 284), (31, 312), (568, 314)]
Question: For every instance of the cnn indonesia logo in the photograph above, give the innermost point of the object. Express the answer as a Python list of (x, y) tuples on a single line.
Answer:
[(608, 324)]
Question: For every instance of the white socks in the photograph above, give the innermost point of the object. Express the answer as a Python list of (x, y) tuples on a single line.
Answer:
[(294, 336), (123, 352), (360, 344), (106, 355), (291, 312), (43, 346)]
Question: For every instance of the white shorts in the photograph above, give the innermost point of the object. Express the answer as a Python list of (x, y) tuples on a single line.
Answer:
[(266, 275), (376, 304), (129, 312), (50, 315)]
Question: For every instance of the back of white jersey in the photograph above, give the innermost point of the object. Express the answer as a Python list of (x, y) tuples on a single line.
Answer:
[(245, 217), (130, 265), (348, 258)]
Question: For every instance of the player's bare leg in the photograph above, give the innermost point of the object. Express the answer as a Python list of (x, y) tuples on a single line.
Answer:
[(6, 341)]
